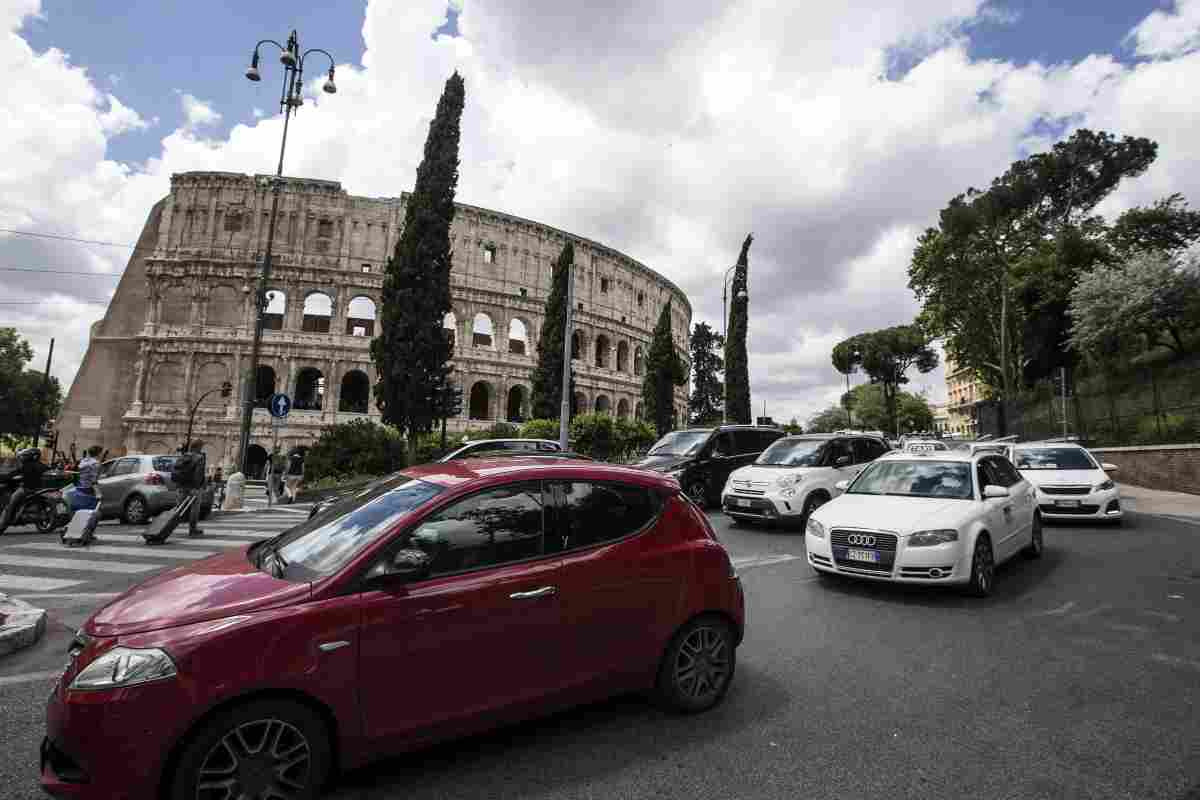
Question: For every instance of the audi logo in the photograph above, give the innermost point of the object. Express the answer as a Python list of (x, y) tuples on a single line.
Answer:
[(861, 538)]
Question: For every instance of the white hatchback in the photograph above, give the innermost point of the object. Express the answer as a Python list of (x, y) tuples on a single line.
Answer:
[(940, 517), (1070, 483)]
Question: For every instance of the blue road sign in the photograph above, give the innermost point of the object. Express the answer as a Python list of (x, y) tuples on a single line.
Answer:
[(279, 405)]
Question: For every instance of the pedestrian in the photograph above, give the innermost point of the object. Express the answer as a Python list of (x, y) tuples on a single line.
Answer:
[(189, 474), (84, 496), (30, 469), (295, 473)]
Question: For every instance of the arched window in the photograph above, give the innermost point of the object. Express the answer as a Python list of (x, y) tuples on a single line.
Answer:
[(276, 307), (264, 386), (602, 347), (176, 305), (482, 331), (602, 404), (517, 340), (481, 400), (622, 408), (256, 461), (360, 317), (310, 389), (623, 356), (356, 392), (450, 324), (639, 365), (576, 345), (514, 412), (318, 309)]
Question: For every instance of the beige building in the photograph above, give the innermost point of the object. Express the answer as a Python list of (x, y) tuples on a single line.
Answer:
[(963, 390), (181, 321)]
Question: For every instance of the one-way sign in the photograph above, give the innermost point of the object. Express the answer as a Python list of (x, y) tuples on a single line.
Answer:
[(279, 405)]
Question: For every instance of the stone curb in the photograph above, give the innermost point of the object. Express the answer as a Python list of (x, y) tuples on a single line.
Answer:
[(21, 624)]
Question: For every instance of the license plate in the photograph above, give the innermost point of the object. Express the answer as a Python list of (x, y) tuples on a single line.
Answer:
[(1067, 503), (737, 501), (863, 555)]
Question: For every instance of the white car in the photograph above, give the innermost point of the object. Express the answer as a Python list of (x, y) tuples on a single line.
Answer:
[(1070, 483), (797, 475), (925, 446), (944, 517)]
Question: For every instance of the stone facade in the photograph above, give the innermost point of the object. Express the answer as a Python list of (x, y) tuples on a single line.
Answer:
[(181, 321)]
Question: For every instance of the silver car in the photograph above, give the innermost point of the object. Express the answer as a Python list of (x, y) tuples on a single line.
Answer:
[(504, 447), (137, 487)]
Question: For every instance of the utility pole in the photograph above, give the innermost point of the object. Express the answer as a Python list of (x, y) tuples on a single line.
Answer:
[(1062, 372), (564, 414), (37, 431)]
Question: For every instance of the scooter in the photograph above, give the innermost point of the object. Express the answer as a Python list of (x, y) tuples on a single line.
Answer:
[(45, 509)]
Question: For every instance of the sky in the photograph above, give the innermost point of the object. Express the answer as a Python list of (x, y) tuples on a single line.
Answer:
[(834, 132)]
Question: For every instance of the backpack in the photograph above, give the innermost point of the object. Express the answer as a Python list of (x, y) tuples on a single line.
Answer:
[(183, 472)]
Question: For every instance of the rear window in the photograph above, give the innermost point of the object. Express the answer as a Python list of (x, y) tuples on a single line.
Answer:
[(163, 463)]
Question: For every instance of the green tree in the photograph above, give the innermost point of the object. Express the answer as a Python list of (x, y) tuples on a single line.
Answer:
[(915, 413), (886, 356), (1168, 226), (664, 371), (707, 400), (827, 421), (547, 375), (540, 429), (354, 448), (412, 351), (794, 427), (737, 367), (26, 398)]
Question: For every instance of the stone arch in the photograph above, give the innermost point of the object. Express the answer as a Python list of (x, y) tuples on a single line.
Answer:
[(256, 461), (623, 356), (603, 346), (622, 408), (354, 395), (483, 332), (318, 311), (579, 404), (276, 309), (450, 323), (518, 337), (210, 376), (480, 401), (224, 306), (176, 305), (360, 316), (264, 385), (577, 343), (166, 384), (310, 390), (603, 404), (514, 410), (639, 361)]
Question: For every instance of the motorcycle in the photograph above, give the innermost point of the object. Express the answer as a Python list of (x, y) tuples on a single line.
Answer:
[(45, 509)]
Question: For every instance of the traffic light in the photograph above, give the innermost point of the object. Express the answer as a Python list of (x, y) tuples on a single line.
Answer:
[(454, 401), (226, 389)]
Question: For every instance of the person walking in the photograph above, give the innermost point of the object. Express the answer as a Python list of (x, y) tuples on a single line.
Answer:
[(190, 473), (84, 496)]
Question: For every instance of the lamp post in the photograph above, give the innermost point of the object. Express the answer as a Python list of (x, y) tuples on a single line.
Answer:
[(225, 389), (291, 99), (725, 335)]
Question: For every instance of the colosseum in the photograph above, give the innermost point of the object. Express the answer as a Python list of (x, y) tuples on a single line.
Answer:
[(181, 320)]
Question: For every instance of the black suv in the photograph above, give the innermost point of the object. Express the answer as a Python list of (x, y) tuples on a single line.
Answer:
[(702, 458)]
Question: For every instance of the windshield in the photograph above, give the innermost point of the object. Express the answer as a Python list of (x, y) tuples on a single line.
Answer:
[(327, 542), (951, 479), (793, 453), (1054, 458), (680, 443)]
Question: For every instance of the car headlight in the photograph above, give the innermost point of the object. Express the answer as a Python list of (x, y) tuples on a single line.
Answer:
[(815, 529), (1104, 487), (789, 492), (784, 481), (929, 538), (125, 666)]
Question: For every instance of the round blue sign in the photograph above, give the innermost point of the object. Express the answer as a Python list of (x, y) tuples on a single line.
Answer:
[(279, 405)]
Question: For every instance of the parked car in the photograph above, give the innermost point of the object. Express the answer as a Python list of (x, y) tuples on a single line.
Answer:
[(797, 475), (135, 488), (702, 459), (503, 447), (945, 517), (1070, 483), (423, 610)]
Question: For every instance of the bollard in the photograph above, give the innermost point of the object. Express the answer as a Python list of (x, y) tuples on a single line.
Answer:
[(235, 489)]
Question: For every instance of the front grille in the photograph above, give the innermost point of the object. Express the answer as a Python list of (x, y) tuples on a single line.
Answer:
[(1050, 508), (1066, 489), (821, 560), (885, 545), (753, 488), (883, 541), (757, 508), (751, 492)]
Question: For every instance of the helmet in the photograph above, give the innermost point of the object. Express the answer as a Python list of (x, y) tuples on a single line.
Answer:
[(29, 454)]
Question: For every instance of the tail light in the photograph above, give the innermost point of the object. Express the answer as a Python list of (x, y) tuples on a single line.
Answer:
[(154, 479)]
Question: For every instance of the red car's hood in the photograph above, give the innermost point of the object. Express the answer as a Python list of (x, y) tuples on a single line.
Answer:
[(214, 588)]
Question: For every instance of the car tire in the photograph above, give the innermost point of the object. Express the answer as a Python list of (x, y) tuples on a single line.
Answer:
[(697, 492), (1036, 544), (230, 748), (983, 569), (811, 503), (698, 666), (135, 511)]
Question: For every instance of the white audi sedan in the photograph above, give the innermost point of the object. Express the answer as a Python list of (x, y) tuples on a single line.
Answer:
[(1070, 483), (934, 517)]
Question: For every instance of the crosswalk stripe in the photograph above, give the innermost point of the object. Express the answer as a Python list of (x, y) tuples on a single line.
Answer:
[(159, 551), (26, 583), (203, 541), (78, 565)]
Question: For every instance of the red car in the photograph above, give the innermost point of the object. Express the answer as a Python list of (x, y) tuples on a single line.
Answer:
[(453, 598)]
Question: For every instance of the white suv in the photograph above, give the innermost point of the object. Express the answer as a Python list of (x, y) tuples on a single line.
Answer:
[(797, 475)]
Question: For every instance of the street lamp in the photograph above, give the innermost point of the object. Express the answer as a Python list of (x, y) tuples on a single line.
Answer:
[(226, 389), (291, 99), (725, 334)]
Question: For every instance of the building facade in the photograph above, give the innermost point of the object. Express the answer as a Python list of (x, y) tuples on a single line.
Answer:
[(181, 321), (963, 391)]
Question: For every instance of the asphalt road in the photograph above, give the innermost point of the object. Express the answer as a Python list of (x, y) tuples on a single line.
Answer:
[(1078, 678)]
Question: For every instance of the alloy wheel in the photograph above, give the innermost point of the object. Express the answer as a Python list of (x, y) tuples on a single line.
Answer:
[(266, 759), (1035, 543), (702, 665), (983, 568), (697, 492), (135, 511)]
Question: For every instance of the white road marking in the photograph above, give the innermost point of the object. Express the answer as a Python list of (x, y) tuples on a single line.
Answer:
[(1064, 608), (148, 551), (70, 596), (1162, 615), (27, 584), (749, 562), (29, 677), (184, 541), (77, 565), (1175, 661)]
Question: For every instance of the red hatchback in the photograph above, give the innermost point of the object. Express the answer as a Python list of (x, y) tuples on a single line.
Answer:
[(451, 598)]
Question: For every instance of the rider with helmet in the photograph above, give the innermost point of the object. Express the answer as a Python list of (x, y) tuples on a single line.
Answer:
[(29, 470)]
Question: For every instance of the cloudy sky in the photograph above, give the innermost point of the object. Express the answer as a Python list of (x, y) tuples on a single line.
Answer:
[(834, 131)]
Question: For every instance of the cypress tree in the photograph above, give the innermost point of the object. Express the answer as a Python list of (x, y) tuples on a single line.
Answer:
[(412, 351), (737, 370), (664, 371), (547, 375)]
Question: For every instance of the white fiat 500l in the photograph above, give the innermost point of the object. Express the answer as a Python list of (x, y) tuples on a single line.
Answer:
[(946, 517), (1069, 482)]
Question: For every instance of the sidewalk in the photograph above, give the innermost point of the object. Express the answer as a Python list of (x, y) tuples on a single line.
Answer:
[(1177, 505)]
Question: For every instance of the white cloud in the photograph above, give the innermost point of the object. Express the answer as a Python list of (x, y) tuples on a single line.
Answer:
[(258, 113), (1164, 34), (668, 132)]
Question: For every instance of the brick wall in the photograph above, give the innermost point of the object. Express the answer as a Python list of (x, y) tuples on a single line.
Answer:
[(1171, 467)]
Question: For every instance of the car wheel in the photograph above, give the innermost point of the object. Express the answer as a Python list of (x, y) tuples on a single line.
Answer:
[(698, 666), (697, 491), (135, 511), (1036, 545), (42, 514), (983, 568), (811, 504), (269, 748)]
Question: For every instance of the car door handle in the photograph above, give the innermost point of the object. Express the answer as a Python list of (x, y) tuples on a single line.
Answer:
[(545, 591), (329, 647)]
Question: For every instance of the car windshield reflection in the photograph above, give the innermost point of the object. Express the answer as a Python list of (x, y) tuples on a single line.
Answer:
[(680, 443), (1054, 458), (793, 453), (942, 479)]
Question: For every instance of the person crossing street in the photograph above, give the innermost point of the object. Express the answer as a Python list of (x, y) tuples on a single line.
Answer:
[(189, 475)]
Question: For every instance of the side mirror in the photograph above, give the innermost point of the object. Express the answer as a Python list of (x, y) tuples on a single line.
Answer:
[(405, 565), (1109, 467), (842, 486), (842, 461), (994, 492)]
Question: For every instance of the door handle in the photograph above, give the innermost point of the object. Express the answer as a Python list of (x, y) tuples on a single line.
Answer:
[(545, 591), (329, 647)]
